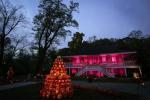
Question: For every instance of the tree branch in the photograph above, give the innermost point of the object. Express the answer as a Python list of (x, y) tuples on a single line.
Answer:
[(14, 24)]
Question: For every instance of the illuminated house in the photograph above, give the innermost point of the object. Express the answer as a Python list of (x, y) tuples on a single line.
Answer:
[(103, 65)]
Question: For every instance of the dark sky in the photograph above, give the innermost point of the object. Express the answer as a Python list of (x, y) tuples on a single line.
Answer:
[(104, 18)]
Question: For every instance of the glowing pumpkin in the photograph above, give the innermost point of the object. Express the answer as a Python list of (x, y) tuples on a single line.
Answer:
[(57, 84)]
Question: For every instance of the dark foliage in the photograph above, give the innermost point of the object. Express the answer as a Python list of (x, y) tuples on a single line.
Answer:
[(50, 25)]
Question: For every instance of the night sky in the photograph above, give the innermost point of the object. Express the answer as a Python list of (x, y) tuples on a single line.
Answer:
[(103, 18)]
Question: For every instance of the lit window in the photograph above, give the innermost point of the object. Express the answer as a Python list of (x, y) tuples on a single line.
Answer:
[(104, 59), (74, 71), (113, 59)]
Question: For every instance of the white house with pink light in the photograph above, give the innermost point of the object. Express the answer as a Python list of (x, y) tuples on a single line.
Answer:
[(123, 64)]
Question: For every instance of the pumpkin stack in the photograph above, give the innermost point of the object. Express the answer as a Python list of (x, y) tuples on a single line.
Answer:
[(57, 84)]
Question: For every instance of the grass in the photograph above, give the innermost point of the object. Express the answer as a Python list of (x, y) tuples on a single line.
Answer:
[(32, 93)]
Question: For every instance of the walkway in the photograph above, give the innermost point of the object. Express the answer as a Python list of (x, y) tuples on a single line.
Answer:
[(15, 85), (132, 88), (119, 87)]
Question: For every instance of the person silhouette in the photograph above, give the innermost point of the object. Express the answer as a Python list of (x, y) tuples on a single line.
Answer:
[(10, 74)]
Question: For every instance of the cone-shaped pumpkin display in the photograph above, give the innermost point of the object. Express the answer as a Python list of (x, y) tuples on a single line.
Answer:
[(57, 84)]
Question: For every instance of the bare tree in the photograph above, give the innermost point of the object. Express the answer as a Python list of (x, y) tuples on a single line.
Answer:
[(17, 44), (10, 18)]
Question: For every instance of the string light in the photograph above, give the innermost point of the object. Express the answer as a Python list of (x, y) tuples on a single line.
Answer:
[(57, 84)]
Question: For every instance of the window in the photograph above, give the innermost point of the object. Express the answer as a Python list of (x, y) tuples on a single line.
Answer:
[(103, 59), (113, 59)]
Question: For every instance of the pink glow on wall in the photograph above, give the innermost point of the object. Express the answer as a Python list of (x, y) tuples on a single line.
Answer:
[(109, 61), (91, 72), (122, 72), (119, 72), (77, 60), (98, 59), (74, 71), (85, 59), (90, 60), (120, 58), (113, 59), (99, 74), (103, 59)]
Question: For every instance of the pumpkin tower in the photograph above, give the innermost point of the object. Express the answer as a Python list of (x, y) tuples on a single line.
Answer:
[(57, 84)]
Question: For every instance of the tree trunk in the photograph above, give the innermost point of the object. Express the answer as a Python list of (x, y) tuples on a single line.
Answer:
[(40, 61), (1, 53)]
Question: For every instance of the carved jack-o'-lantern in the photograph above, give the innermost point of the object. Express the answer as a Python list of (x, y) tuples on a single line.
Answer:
[(57, 84)]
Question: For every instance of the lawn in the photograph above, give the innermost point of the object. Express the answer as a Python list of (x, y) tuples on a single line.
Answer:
[(32, 93)]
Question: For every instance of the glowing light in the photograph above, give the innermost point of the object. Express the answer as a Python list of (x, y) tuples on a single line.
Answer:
[(57, 84), (113, 59), (74, 71), (103, 58)]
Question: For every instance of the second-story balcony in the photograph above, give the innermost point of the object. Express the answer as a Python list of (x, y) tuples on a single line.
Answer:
[(81, 65)]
